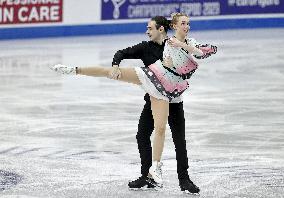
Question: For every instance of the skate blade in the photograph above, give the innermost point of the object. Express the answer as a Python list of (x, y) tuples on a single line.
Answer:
[(190, 193), (158, 180), (143, 189), (158, 185)]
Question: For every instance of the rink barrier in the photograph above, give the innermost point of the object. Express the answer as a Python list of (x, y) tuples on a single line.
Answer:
[(124, 28)]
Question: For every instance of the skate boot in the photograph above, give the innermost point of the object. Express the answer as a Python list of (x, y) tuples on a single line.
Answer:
[(63, 69), (187, 186), (156, 173), (142, 183)]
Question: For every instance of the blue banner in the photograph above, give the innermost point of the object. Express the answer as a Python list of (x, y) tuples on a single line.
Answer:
[(137, 9)]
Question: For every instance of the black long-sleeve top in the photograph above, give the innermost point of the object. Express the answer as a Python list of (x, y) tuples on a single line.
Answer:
[(147, 51)]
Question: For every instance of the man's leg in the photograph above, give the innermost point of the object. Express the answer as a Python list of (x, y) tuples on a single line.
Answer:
[(177, 125), (145, 129)]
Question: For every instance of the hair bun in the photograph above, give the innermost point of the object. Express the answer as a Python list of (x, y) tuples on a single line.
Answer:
[(173, 14)]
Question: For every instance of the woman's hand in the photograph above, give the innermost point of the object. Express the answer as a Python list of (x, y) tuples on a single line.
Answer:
[(168, 62), (174, 42)]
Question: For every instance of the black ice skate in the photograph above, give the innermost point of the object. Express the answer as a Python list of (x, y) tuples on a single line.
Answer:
[(142, 183), (187, 186)]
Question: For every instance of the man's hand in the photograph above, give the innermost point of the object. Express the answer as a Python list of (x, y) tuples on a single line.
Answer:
[(115, 73)]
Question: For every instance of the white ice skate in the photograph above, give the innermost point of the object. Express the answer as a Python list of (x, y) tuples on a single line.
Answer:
[(63, 69), (156, 172)]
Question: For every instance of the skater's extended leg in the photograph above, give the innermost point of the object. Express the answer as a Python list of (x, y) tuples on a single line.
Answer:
[(128, 74)]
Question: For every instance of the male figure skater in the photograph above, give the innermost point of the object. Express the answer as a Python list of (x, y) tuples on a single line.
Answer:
[(149, 52)]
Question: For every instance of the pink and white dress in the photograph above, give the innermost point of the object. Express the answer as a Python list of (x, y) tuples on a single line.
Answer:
[(168, 83)]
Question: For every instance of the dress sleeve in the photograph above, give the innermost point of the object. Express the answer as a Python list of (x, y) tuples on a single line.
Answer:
[(207, 49), (192, 42), (167, 50)]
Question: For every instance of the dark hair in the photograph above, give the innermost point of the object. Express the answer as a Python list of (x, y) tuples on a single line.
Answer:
[(162, 21)]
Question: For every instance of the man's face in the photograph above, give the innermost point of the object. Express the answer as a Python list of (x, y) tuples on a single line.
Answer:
[(153, 33)]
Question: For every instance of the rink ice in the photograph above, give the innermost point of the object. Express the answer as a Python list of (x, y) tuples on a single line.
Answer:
[(66, 136)]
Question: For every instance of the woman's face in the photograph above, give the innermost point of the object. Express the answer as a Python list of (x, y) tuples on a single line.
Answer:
[(182, 26)]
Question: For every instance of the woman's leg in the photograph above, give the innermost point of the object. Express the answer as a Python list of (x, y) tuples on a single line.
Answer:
[(128, 74), (160, 108), (160, 111)]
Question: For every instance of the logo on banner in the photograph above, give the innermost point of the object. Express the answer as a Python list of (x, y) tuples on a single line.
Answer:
[(117, 4), (139, 9), (36, 11)]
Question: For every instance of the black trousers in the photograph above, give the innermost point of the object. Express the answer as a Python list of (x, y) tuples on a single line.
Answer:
[(177, 125)]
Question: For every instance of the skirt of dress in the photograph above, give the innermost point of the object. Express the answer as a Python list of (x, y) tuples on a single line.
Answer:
[(150, 88)]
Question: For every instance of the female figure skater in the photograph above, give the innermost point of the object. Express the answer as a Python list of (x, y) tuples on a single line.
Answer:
[(163, 80)]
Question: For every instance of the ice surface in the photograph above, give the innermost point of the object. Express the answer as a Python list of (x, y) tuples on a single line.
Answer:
[(75, 136)]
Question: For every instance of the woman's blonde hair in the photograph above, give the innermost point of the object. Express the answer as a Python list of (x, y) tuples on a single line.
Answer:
[(175, 16)]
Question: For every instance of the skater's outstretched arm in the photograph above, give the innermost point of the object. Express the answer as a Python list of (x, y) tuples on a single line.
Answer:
[(188, 47), (133, 52), (199, 51)]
